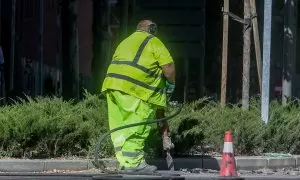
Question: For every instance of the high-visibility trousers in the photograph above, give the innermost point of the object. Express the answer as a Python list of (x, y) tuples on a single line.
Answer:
[(124, 109)]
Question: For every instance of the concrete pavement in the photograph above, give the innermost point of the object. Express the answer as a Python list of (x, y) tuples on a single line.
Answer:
[(213, 163), (162, 176)]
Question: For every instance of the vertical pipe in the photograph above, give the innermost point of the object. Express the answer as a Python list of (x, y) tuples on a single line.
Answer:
[(12, 51), (266, 60), (41, 45)]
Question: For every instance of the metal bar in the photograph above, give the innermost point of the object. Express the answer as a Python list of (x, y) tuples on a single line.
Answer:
[(266, 60)]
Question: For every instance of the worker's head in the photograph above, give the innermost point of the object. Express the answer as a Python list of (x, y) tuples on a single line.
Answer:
[(147, 26)]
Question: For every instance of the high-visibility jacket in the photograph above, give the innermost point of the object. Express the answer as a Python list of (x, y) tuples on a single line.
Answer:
[(135, 68)]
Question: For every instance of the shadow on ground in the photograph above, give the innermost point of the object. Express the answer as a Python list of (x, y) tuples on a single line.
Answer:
[(189, 162)]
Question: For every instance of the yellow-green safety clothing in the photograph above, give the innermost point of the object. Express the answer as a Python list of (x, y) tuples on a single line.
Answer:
[(124, 109), (136, 68)]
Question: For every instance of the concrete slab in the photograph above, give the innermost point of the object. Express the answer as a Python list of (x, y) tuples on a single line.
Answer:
[(188, 163), (21, 165), (251, 163), (281, 162), (212, 163), (109, 162), (66, 165), (297, 159), (199, 162), (160, 163)]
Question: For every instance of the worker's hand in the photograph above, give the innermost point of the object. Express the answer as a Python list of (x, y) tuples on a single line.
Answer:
[(170, 87)]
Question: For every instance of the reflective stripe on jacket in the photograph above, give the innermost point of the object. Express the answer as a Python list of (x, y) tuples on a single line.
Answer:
[(135, 69)]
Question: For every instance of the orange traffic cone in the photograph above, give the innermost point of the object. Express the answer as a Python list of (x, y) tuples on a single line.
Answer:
[(228, 166)]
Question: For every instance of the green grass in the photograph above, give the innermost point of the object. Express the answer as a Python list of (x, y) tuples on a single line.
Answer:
[(50, 127)]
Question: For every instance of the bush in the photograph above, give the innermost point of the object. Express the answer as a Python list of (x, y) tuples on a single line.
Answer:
[(202, 124), (51, 127)]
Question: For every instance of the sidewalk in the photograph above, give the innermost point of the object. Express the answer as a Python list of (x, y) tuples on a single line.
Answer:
[(243, 163)]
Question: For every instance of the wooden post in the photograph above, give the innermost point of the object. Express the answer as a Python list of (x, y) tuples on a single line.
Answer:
[(224, 53), (256, 41), (246, 55)]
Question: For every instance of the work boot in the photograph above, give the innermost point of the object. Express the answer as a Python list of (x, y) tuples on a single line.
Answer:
[(141, 168)]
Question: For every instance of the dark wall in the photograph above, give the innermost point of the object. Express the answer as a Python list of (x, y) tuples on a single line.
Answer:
[(6, 36), (181, 27)]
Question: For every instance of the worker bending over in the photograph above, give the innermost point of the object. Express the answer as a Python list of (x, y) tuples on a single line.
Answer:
[(140, 76)]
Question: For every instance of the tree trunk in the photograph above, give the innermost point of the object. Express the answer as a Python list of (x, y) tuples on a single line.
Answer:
[(70, 54), (246, 55), (224, 53)]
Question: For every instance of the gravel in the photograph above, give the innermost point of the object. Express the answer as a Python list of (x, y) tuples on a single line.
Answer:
[(261, 172)]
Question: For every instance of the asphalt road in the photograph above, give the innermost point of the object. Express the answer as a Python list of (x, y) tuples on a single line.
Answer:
[(163, 176)]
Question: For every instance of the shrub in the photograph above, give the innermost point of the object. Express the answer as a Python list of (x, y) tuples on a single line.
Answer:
[(202, 125), (51, 127)]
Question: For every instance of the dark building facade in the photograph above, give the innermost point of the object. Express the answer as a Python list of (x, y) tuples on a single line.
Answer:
[(27, 43), (192, 30)]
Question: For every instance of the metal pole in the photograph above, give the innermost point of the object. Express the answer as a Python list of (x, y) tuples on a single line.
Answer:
[(266, 60), (41, 45)]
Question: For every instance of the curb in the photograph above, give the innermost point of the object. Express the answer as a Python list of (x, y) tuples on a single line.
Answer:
[(242, 163)]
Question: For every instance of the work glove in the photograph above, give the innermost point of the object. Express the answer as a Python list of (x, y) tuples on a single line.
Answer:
[(166, 136), (170, 88), (167, 142)]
